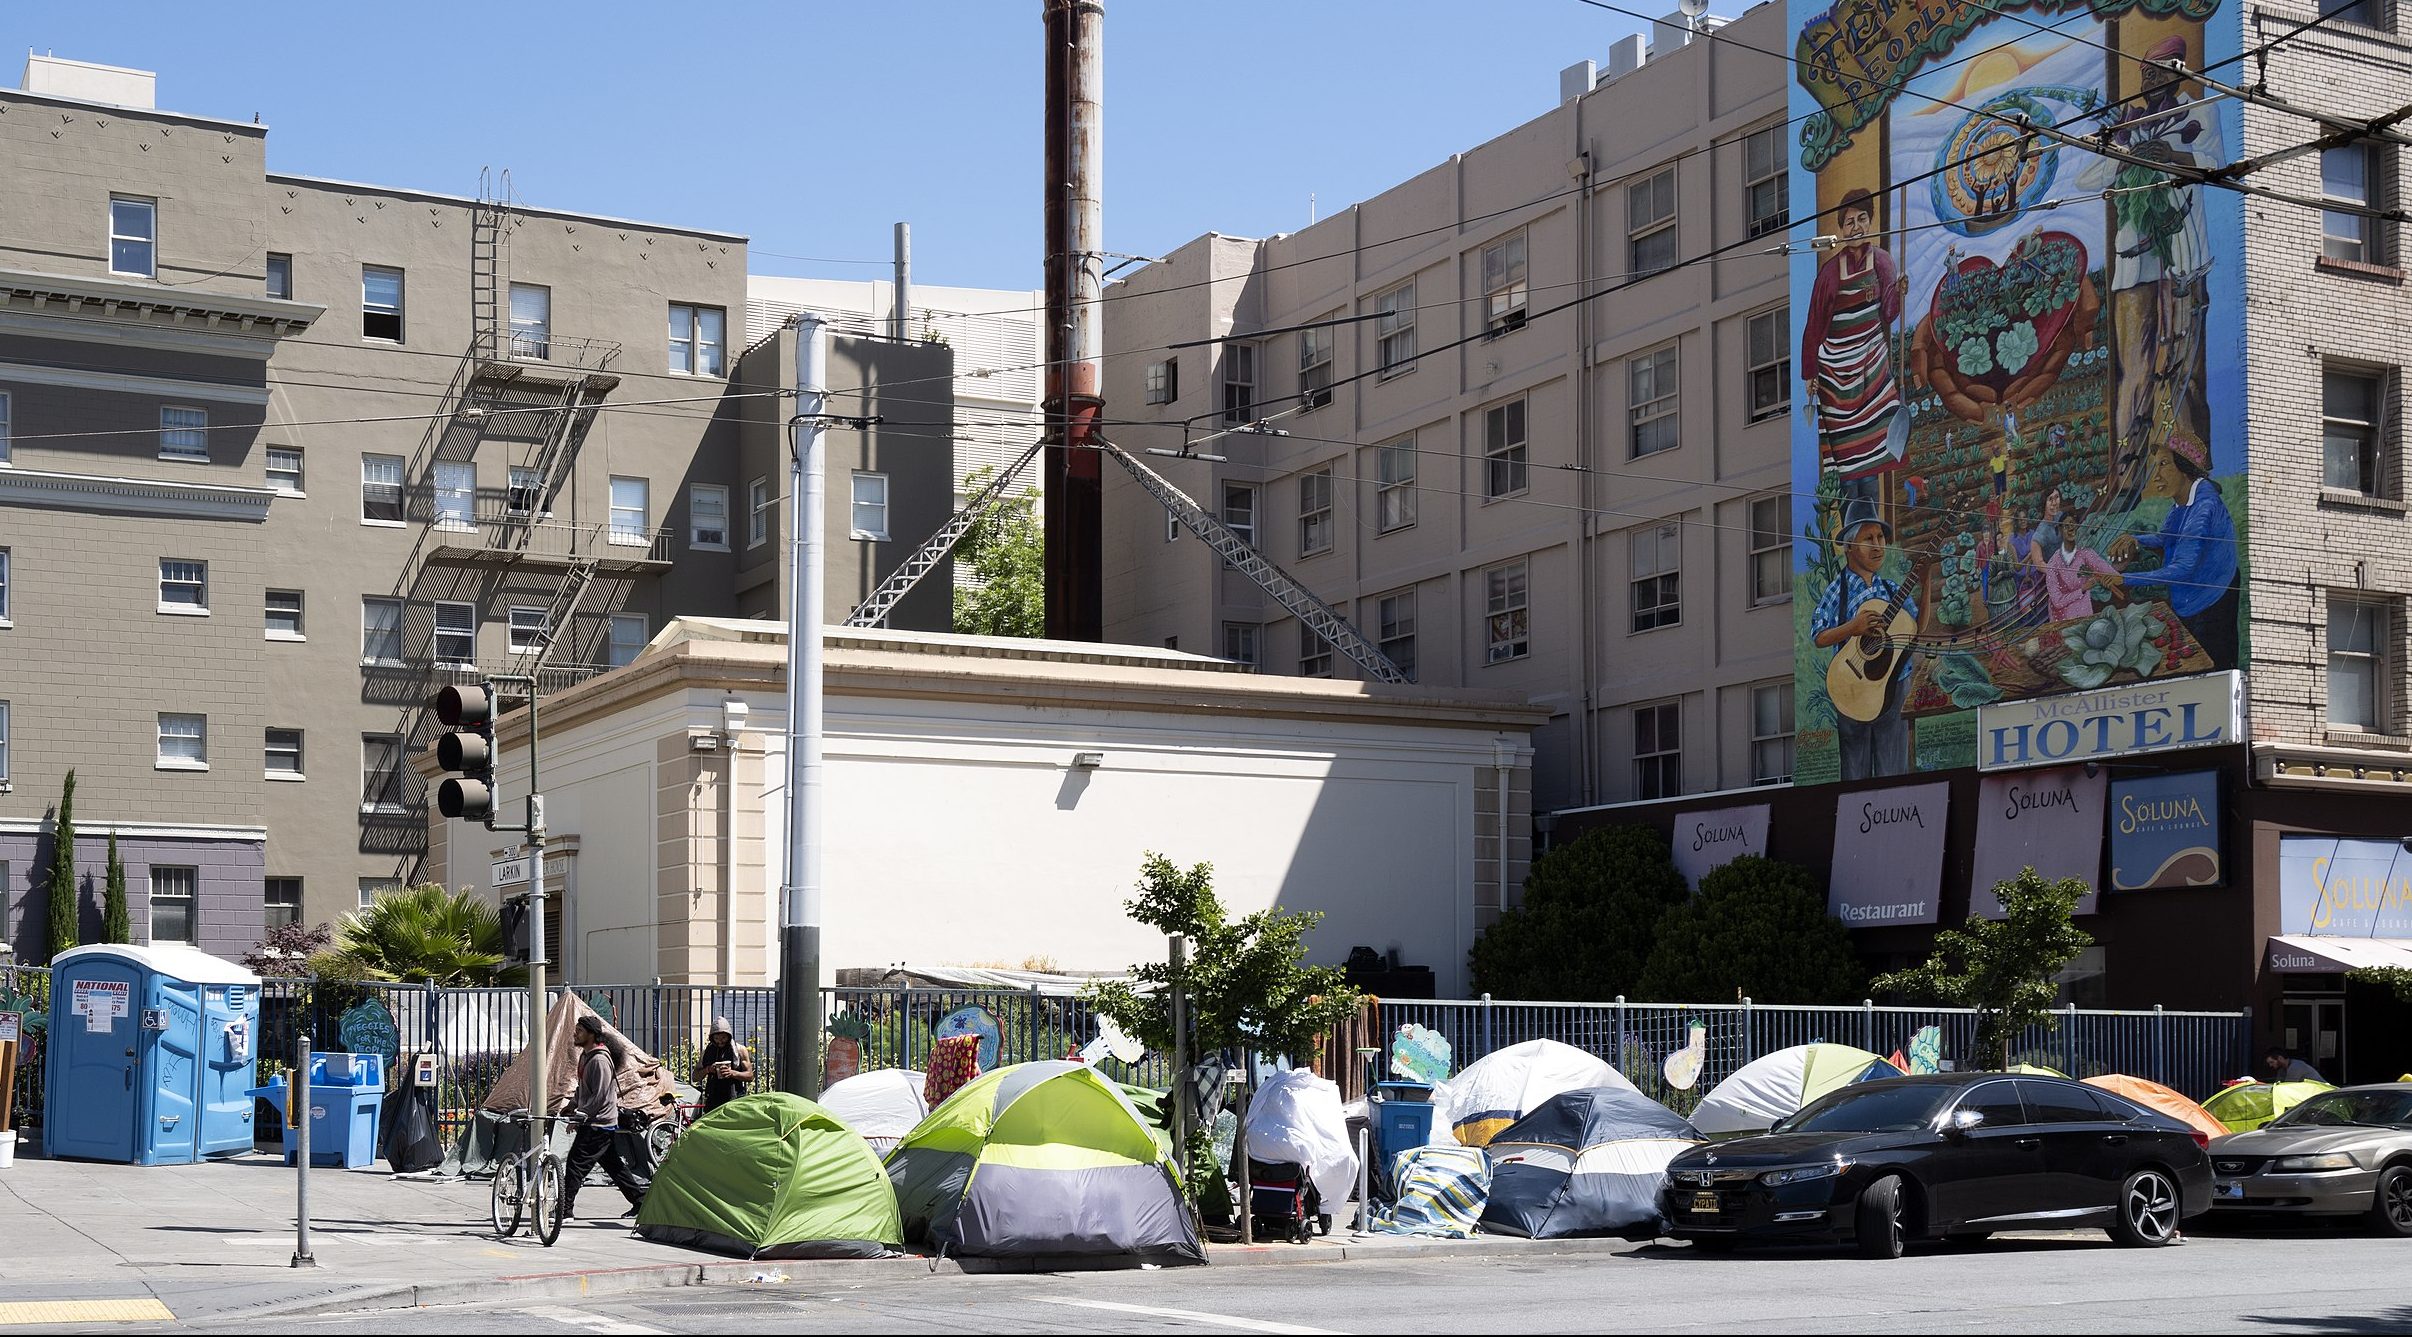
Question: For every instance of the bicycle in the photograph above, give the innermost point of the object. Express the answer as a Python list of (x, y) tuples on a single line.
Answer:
[(665, 1131), (528, 1183)]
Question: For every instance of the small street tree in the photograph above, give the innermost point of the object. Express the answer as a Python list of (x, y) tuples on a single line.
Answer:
[(2004, 968), (1757, 929), (286, 949), (66, 906), (1007, 554), (117, 925), (1591, 911)]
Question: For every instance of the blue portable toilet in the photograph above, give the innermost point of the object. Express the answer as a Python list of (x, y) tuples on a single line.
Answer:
[(151, 1055)]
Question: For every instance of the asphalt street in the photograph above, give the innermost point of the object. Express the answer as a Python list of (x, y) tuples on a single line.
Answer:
[(2288, 1279)]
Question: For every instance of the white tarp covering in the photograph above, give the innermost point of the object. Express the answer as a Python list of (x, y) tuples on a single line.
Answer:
[(882, 1104), (1498, 1089), (1296, 1117)]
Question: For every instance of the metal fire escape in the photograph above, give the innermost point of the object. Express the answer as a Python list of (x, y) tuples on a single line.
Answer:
[(1321, 617)]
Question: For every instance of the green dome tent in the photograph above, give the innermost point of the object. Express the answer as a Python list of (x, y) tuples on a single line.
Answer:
[(2245, 1106), (773, 1176), (1041, 1160)]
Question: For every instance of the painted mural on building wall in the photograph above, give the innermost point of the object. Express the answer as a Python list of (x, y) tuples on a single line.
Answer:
[(2018, 458)]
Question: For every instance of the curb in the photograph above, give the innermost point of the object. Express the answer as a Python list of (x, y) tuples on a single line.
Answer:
[(583, 1284)]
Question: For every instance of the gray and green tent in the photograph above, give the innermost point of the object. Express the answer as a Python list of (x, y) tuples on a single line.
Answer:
[(1041, 1160), (773, 1176)]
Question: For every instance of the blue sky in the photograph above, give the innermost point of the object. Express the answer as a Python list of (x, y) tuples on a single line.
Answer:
[(813, 127)]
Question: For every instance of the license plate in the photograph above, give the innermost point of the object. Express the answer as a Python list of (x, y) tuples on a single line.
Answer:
[(1704, 1202), (2228, 1189)]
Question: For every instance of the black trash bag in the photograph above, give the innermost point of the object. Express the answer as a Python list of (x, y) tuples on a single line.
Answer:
[(636, 1148), (411, 1143)]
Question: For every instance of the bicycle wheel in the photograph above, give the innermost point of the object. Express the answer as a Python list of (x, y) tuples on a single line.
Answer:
[(662, 1136), (547, 1207), (508, 1196)]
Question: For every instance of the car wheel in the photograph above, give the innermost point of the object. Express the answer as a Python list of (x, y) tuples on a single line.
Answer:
[(2148, 1211), (1878, 1221), (2391, 1201)]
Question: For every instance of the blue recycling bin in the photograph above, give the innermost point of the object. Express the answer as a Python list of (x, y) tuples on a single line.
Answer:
[(150, 1053), (1402, 1119), (346, 1091)]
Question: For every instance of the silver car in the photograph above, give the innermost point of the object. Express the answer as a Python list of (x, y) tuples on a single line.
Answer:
[(2342, 1152)]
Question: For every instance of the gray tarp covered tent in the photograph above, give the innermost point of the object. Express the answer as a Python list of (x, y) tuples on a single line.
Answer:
[(1587, 1162)]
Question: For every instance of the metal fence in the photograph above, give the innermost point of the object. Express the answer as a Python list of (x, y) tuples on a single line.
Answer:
[(480, 1031)]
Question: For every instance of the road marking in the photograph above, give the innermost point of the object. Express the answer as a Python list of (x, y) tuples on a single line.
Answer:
[(49, 1312), (579, 1318), (1193, 1316)]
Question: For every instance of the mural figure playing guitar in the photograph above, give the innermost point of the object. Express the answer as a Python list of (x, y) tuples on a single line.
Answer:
[(1868, 620)]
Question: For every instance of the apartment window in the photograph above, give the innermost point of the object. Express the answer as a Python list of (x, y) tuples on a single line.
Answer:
[(531, 321), (531, 629), (281, 904), (708, 516), (183, 585), (2365, 12), (1315, 512), (1656, 567), (1394, 330), (524, 495), (1164, 381), (4, 618), (629, 634), (373, 887), (173, 896), (1767, 340), (758, 497), (698, 339), (1239, 642), (1503, 450), (280, 275), (133, 236), (3, 764), (1505, 607), (380, 303), (1771, 733), (870, 506), (284, 615), (1658, 750), (1315, 368), (1394, 619), (380, 630), (2346, 174), (1771, 548), (183, 433), (285, 469), (455, 494), (380, 772), (1766, 198), (381, 488), (1651, 379), (184, 742), (1394, 485), (455, 632), (1239, 511), (4, 427), (285, 753), (1503, 286), (2358, 633), (1314, 653), (1650, 222), (631, 506), (1239, 383), (2349, 435)]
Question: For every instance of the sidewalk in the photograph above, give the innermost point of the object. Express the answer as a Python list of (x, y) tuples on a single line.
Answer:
[(216, 1240)]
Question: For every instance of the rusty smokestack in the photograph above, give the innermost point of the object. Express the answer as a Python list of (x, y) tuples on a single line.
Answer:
[(1075, 218)]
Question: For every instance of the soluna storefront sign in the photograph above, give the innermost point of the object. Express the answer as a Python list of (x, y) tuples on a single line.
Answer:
[(2206, 710)]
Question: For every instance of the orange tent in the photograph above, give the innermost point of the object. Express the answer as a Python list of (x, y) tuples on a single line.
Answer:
[(2154, 1096)]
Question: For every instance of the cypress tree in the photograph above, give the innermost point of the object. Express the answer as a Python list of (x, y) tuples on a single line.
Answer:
[(116, 924), (63, 900)]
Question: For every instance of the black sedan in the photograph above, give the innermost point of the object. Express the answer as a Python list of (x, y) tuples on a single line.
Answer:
[(1952, 1156)]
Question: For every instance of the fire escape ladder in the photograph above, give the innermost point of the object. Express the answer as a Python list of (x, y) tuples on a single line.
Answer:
[(873, 611)]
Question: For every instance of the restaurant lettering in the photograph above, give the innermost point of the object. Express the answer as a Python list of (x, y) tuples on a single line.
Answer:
[(1704, 835), (2034, 800), (2348, 886), (1872, 816)]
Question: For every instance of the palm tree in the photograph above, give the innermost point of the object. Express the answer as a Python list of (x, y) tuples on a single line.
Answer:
[(426, 934)]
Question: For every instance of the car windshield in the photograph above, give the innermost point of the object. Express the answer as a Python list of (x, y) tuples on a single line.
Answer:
[(1892, 1109), (2338, 1109)]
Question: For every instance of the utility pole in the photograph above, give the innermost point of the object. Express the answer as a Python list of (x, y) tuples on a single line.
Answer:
[(1073, 482), (800, 915)]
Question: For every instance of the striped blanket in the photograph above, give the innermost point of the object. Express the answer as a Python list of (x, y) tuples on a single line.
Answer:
[(1441, 1191)]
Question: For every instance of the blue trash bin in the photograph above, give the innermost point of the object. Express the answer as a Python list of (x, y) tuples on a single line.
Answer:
[(1402, 1119), (346, 1091)]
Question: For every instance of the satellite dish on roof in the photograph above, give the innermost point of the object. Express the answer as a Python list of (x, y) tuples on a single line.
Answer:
[(1692, 9)]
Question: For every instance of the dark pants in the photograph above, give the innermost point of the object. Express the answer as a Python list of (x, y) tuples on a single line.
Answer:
[(1878, 747), (599, 1146), (2215, 628)]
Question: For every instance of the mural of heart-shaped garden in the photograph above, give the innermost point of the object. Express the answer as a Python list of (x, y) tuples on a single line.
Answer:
[(1999, 334)]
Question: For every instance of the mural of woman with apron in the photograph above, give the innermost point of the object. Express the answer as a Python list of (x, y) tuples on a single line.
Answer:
[(1847, 355)]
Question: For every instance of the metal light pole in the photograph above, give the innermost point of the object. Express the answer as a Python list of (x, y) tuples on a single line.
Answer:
[(539, 1095), (800, 915)]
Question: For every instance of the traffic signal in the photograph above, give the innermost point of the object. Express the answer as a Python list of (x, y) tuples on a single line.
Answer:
[(468, 751)]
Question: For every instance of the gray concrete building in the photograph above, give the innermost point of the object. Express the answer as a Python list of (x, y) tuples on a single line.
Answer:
[(280, 456)]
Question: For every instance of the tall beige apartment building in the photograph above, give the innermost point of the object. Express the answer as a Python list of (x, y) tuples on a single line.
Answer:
[(280, 456)]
